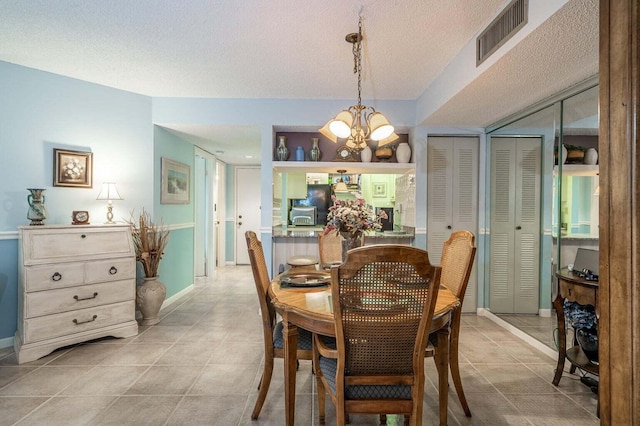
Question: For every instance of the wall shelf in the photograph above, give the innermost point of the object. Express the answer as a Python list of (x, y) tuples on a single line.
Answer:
[(351, 167), (577, 170)]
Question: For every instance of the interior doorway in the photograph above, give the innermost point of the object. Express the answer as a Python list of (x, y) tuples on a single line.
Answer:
[(205, 231), (248, 193)]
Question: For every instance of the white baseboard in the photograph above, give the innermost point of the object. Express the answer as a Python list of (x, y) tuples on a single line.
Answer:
[(483, 312), (6, 342), (173, 299), (544, 313)]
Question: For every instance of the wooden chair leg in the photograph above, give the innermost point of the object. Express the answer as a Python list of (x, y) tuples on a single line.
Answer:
[(263, 387), (442, 361), (457, 380)]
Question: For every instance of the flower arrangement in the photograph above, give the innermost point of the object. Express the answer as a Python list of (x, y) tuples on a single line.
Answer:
[(352, 217), (149, 240)]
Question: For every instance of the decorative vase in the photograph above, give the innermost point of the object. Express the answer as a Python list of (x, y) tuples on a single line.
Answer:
[(314, 152), (588, 340), (564, 154), (299, 154), (366, 154), (591, 157), (282, 152), (37, 213), (350, 241), (149, 298), (403, 153), (384, 153)]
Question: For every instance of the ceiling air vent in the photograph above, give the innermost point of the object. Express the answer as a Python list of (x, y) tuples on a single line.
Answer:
[(509, 22)]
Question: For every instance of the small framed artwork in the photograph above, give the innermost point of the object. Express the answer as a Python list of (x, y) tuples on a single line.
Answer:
[(176, 182), (72, 168), (379, 189)]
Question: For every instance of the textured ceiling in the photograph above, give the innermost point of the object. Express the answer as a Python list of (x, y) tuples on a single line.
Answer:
[(289, 49)]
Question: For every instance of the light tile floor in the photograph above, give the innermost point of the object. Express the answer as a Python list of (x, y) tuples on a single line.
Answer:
[(202, 364)]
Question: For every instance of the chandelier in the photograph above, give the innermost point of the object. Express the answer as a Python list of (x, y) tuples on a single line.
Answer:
[(359, 123)]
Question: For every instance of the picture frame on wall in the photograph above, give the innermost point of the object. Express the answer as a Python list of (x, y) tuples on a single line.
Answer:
[(379, 189), (176, 182), (72, 168)]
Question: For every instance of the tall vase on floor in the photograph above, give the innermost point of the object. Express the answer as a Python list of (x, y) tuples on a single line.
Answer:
[(149, 241), (149, 298)]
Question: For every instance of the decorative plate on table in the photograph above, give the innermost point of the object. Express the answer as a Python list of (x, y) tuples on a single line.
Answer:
[(305, 279)]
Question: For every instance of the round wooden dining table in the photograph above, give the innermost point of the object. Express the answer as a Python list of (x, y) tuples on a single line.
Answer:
[(310, 308)]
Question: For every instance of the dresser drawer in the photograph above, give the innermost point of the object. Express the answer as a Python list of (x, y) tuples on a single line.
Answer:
[(83, 320), (47, 277), (110, 270), (50, 245), (578, 293), (68, 299)]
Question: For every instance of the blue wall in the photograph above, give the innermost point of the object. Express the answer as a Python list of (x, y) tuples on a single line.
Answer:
[(41, 111), (177, 266)]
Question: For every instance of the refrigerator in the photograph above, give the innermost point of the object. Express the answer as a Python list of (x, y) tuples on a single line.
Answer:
[(318, 196)]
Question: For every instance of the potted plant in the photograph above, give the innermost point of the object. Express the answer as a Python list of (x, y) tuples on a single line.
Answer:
[(149, 240), (351, 218)]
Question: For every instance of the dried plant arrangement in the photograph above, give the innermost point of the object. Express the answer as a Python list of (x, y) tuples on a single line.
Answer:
[(149, 239)]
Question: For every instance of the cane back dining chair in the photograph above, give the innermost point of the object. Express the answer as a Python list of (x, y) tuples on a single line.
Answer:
[(272, 329), (330, 248), (458, 253), (383, 299)]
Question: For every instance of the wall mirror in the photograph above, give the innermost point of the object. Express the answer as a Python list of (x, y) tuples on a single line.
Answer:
[(568, 206)]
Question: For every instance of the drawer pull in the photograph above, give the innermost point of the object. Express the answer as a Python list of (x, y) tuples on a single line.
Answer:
[(86, 298), (56, 276), (76, 322), (83, 236), (113, 270)]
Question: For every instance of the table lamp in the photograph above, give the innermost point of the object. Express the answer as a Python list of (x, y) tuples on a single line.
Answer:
[(109, 193)]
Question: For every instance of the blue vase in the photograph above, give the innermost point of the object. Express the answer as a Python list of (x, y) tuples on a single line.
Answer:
[(299, 154)]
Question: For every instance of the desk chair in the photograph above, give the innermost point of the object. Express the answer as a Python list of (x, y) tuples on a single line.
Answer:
[(383, 299), (272, 329), (458, 253)]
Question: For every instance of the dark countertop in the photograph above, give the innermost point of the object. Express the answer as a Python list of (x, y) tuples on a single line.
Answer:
[(313, 231)]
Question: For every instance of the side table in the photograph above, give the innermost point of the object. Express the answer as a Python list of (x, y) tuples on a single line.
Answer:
[(574, 289)]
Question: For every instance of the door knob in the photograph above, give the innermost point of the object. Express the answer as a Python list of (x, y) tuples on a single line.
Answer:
[(448, 226)]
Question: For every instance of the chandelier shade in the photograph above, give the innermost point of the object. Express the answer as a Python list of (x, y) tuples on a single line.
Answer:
[(359, 124)]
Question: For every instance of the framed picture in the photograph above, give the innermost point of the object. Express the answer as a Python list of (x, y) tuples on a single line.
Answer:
[(379, 189), (176, 182), (72, 168)]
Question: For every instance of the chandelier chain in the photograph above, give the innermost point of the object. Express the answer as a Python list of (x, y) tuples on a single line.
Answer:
[(357, 59)]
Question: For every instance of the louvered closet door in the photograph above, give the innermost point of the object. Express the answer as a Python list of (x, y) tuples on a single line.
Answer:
[(515, 225), (452, 197)]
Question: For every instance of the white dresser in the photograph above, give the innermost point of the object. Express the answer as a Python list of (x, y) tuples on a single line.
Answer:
[(76, 283)]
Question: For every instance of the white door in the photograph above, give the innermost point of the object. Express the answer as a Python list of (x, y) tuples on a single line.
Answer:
[(515, 225), (204, 205), (452, 197), (247, 209)]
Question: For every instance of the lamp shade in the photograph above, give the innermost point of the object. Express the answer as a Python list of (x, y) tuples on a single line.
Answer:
[(341, 125), (379, 126), (109, 192), (388, 140), (327, 133), (341, 187)]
